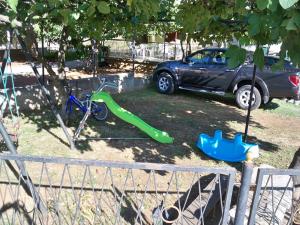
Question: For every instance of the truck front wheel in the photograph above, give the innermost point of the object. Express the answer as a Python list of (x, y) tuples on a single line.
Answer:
[(165, 83)]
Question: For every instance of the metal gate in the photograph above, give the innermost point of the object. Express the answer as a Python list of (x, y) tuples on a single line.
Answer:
[(74, 191), (273, 197)]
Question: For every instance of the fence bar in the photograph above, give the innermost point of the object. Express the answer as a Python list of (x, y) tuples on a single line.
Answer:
[(228, 199), (290, 172), (115, 164), (243, 195), (32, 191), (254, 205)]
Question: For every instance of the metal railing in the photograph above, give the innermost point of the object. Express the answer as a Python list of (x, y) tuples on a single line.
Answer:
[(52, 190), (74, 191), (147, 52), (273, 197), (78, 191)]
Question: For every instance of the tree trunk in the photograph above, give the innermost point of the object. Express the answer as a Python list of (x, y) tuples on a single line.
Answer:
[(189, 47), (62, 55), (182, 49), (57, 85), (31, 43), (95, 45), (296, 180)]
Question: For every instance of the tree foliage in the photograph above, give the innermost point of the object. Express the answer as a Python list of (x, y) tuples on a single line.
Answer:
[(258, 22)]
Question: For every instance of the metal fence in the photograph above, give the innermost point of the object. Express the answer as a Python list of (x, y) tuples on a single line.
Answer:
[(74, 191), (147, 52), (273, 197)]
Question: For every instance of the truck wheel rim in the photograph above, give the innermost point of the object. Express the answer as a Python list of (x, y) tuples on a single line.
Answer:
[(245, 97), (163, 83)]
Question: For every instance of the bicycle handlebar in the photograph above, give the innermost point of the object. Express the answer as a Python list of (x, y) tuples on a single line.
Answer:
[(104, 84)]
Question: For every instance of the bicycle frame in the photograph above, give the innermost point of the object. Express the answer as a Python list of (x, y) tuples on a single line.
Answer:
[(72, 100), (88, 108)]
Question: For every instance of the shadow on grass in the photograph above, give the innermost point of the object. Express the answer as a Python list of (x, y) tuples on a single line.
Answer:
[(184, 116), (227, 99), (270, 106), (18, 211)]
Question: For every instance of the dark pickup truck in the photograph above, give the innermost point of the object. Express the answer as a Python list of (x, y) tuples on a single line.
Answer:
[(206, 71)]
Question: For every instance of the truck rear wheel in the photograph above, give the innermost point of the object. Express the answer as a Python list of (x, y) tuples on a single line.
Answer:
[(242, 97)]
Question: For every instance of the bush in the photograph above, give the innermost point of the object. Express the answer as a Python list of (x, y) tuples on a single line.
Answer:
[(51, 56)]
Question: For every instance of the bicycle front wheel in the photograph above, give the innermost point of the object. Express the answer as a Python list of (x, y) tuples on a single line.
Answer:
[(99, 111)]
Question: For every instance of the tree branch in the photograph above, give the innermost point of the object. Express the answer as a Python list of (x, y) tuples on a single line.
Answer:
[(5, 20)]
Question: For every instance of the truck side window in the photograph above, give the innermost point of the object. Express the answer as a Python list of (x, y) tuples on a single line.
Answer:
[(203, 57), (219, 58)]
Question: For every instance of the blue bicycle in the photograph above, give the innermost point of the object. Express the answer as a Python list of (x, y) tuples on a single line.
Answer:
[(98, 110)]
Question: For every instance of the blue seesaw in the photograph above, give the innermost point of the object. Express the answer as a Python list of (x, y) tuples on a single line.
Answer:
[(234, 150)]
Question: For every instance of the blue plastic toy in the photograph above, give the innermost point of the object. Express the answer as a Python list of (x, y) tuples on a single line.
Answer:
[(227, 150)]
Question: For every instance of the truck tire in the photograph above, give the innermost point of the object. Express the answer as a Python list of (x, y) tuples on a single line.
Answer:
[(165, 83), (242, 97)]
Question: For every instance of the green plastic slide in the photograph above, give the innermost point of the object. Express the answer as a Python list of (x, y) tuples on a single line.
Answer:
[(127, 116)]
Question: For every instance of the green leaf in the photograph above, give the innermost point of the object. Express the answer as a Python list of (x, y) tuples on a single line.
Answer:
[(240, 3), (273, 4), (296, 19), (36, 17), (244, 41), (75, 16), (275, 34), (13, 4), (103, 7), (259, 58), (284, 23), (262, 4), (91, 10), (291, 25), (287, 3), (236, 56), (66, 15), (129, 2), (53, 3), (254, 24)]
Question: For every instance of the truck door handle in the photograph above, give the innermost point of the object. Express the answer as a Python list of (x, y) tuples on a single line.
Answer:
[(229, 70)]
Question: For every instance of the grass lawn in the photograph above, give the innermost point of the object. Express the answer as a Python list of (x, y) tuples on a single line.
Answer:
[(183, 115)]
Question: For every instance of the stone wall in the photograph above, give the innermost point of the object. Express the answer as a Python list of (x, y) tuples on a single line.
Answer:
[(31, 96)]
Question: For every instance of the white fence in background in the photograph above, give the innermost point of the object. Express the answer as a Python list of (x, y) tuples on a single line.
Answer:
[(149, 51)]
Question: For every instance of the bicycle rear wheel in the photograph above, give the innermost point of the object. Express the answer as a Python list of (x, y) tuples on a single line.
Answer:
[(99, 111)]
